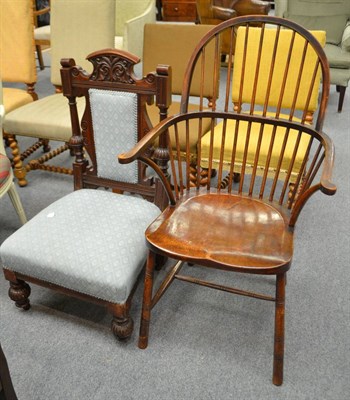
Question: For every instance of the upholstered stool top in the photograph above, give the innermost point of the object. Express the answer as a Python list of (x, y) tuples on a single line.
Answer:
[(90, 241), (5, 169)]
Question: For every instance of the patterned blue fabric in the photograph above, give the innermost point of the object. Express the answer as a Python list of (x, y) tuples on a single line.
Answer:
[(91, 241), (114, 118)]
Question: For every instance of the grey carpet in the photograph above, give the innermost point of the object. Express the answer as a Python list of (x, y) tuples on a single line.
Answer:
[(204, 344)]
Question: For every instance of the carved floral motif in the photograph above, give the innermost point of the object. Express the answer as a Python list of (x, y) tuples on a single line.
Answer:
[(112, 69)]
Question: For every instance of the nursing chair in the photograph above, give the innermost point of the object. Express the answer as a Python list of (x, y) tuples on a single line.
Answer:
[(247, 227), (6, 175), (17, 65), (76, 30), (332, 16), (130, 19), (173, 44), (90, 243)]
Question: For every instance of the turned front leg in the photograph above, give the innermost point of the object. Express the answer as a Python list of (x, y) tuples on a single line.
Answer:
[(19, 292)]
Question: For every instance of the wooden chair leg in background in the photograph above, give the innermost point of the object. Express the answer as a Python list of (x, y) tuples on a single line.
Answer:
[(341, 91), (40, 57)]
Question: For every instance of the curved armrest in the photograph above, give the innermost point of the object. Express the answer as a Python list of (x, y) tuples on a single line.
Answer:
[(138, 151), (252, 7), (223, 13), (325, 185), (41, 11)]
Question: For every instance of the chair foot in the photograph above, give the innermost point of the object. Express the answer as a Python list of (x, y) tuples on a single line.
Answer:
[(122, 327), (19, 292), (341, 91), (278, 355), (143, 342)]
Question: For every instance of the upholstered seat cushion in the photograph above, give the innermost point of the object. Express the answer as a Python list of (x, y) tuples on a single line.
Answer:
[(5, 170), (264, 149), (54, 122), (15, 98), (42, 33), (91, 241)]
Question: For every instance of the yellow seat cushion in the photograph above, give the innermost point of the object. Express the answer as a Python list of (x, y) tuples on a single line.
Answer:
[(14, 98), (47, 118), (253, 141), (43, 33)]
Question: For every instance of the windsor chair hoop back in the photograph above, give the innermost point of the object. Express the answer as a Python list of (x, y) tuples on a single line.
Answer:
[(245, 226)]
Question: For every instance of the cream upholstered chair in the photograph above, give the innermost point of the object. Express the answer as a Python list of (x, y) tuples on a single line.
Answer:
[(17, 63), (333, 16), (6, 176), (77, 28), (90, 243), (130, 19)]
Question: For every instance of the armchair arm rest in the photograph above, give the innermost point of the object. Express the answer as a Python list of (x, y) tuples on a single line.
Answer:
[(345, 42), (41, 11), (252, 7), (140, 148), (139, 152), (223, 13), (327, 187)]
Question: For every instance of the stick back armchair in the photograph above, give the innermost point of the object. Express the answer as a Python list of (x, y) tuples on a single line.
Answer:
[(247, 226)]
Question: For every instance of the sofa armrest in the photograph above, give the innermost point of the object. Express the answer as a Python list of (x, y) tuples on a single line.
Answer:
[(345, 42)]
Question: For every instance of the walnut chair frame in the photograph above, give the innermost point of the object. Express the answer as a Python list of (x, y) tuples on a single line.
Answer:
[(113, 72), (245, 227)]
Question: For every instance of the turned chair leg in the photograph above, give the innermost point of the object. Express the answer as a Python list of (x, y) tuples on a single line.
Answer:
[(122, 324), (278, 354), (341, 91), (147, 301), (18, 167), (19, 292)]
